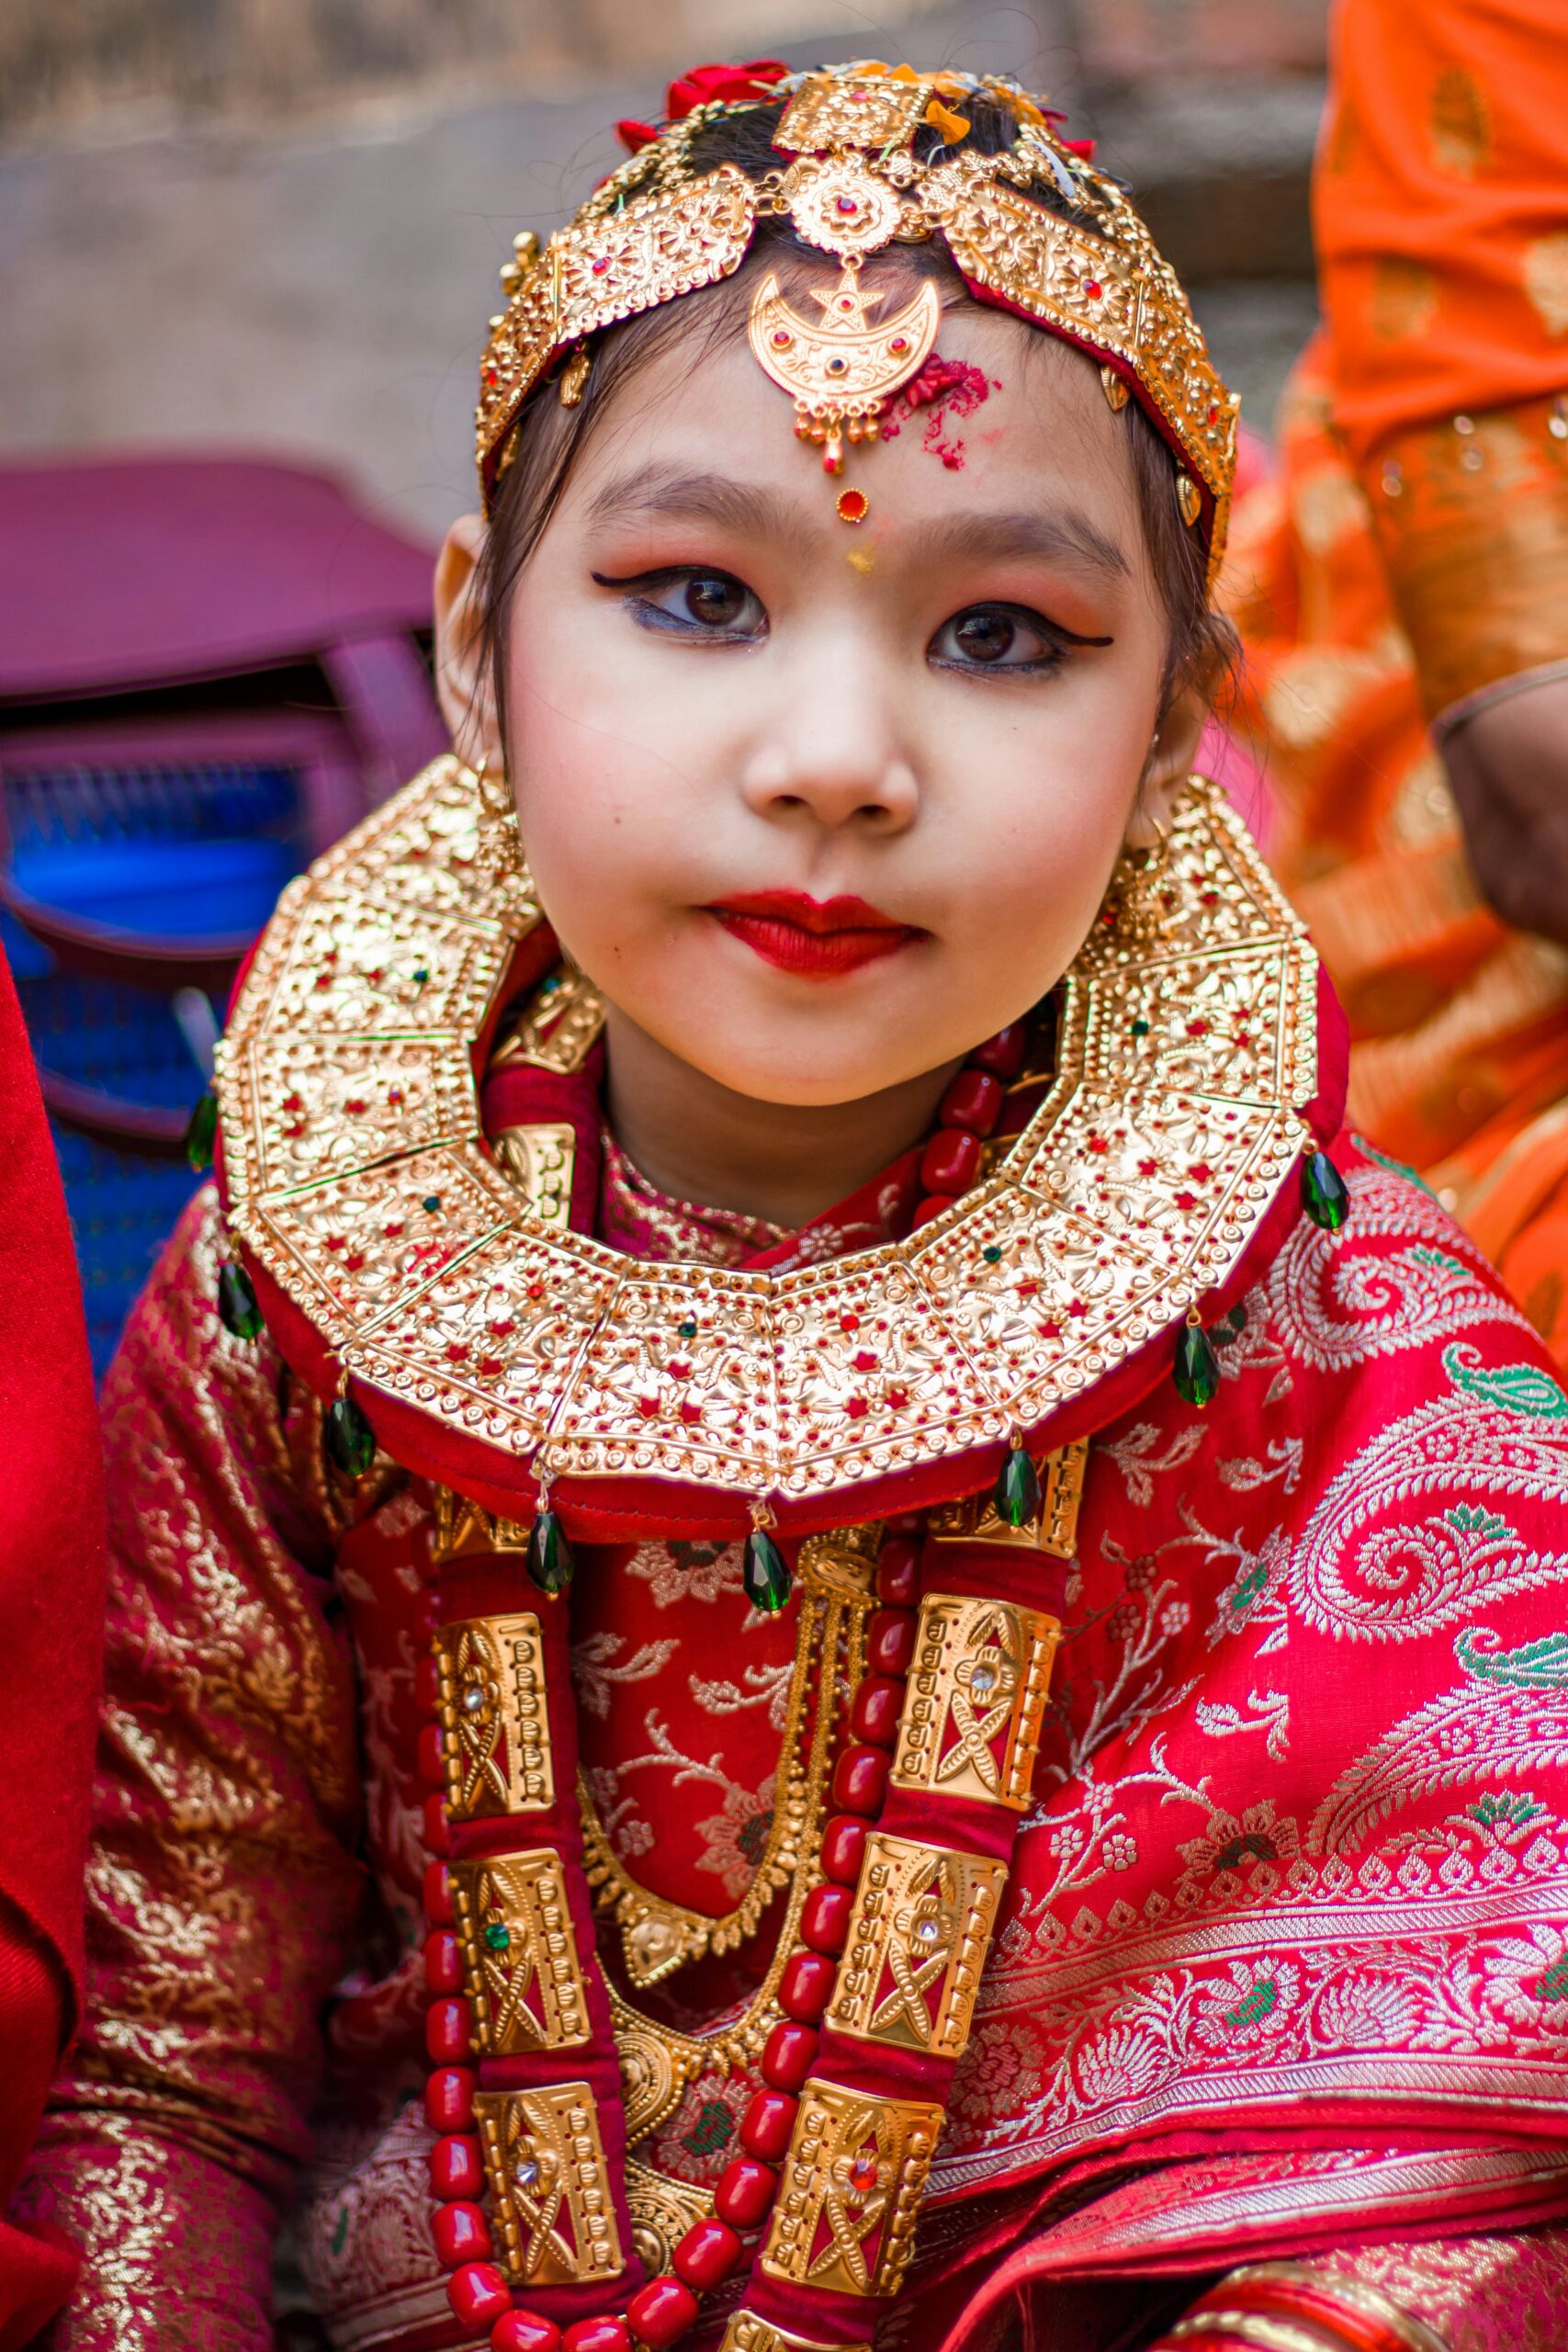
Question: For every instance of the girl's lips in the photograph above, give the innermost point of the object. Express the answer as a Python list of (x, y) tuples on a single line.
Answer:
[(817, 939)]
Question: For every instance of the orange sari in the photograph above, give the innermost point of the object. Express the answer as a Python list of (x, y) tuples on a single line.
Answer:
[(1411, 557)]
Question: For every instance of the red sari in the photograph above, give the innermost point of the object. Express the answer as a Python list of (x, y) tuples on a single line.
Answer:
[(1282, 1966)]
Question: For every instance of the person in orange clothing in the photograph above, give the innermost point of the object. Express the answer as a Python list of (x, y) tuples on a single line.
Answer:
[(1402, 593)]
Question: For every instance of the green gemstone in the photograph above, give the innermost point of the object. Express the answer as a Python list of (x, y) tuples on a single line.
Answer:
[(686, 1331), (237, 1306), (550, 1561), (201, 1132), (1017, 1496), (498, 1935), (421, 975), (763, 1573), (350, 1441), (431, 1203), (993, 1256), (1140, 1028), (1323, 1190), (1197, 1371)]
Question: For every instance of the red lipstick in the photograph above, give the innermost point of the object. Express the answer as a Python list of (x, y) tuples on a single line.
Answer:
[(816, 938)]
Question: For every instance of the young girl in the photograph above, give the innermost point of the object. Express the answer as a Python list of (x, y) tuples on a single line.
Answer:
[(818, 1638)]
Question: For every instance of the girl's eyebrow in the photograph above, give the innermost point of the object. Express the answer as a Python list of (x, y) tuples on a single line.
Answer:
[(747, 508), (1066, 535)]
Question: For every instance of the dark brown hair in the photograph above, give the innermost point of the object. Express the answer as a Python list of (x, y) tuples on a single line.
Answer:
[(1200, 644)]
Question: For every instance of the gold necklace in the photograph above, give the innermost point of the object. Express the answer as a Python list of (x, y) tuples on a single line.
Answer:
[(658, 1935)]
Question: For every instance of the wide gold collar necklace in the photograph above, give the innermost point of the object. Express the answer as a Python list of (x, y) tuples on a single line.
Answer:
[(358, 1176)]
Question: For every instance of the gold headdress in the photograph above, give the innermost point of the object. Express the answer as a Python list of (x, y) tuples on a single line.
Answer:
[(1036, 228)]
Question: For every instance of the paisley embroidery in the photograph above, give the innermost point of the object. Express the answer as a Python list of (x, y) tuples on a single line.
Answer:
[(1481, 1731), (1369, 1568), (1520, 1388)]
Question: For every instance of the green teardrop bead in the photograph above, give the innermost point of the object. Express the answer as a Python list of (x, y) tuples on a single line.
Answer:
[(550, 1561), (350, 1441), (763, 1573), (1197, 1372), (1324, 1191), (201, 1132), (237, 1306), (1017, 1496)]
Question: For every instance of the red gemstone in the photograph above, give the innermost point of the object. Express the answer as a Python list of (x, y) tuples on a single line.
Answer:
[(863, 2173), (790, 2053), (843, 1847), (781, 339), (745, 2193), (859, 1784), (973, 1101), (437, 1894), (462, 2234), (449, 2099), (660, 2312), (524, 2332), (600, 266), (848, 205), (437, 1836), (950, 1161), (455, 2167), (929, 1208), (897, 1570), (825, 1921), (707, 2255), (899, 342), (1003, 1054), (432, 1765), (878, 1704), (805, 1990), (1091, 287), (607, 2335), (767, 2124), (479, 2294), (448, 2027), (443, 1962), (889, 1641)]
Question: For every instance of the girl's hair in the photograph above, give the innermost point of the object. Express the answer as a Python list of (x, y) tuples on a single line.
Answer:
[(1200, 644)]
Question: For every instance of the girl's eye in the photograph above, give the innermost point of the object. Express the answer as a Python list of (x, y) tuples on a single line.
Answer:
[(686, 602), (1000, 636)]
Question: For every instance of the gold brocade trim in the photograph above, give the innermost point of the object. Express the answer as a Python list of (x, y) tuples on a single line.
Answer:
[(975, 1518), (495, 1728), (540, 1159), (1472, 519), (919, 1935), (658, 1935), (359, 1178), (975, 1698), (549, 2186), (852, 2188), (746, 2333), (519, 1960), (661, 2211)]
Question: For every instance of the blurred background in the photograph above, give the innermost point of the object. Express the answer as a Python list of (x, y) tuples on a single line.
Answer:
[(269, 231)]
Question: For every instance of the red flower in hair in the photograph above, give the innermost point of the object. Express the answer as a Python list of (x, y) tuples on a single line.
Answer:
[(699, 88)]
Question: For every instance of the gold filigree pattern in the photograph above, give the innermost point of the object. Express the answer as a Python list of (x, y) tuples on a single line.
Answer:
[(850, 110), (519, 1953), (975, 1698), (549, 2186), (975, 1518), (494, 1722), (850, 2194), (1187, 1039), (559, 1027), (661, 2211), (919, 1935)]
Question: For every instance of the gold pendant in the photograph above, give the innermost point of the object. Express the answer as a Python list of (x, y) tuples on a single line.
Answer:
[(549, 2184), (975, 1698), (661, 2211), (520, 1962), (842, 370), (850, 2194), (919, 1935)]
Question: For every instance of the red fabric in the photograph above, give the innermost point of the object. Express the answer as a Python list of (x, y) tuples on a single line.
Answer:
[(52, 1601)]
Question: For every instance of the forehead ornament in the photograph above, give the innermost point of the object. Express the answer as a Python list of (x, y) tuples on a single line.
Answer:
[(1034, 229)]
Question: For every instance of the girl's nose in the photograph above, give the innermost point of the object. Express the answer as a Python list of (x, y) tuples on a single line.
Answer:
[(834, 752)]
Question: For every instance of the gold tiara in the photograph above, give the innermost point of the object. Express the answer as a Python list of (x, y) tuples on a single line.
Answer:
[(1080, 262)]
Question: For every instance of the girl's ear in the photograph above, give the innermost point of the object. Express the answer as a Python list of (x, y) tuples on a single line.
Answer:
[(463, 680), (1172, 755)]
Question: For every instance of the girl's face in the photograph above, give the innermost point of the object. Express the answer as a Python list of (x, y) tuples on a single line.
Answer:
[(818, 807)]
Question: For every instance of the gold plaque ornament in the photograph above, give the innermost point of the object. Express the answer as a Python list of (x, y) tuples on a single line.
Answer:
[(494, 1725), (919, 1935), (1035, 224), (975, 1518), (746, 2333), (539, 1159), (551, 2211), (975, 1698), (358, 1179), (851, 2188), (519, 1953)]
